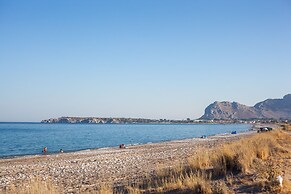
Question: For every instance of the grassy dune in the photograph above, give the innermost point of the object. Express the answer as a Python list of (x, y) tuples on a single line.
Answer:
[(226, 168), (247, 165)]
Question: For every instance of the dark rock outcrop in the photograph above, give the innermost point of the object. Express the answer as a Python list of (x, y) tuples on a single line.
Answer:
[(268, 109)]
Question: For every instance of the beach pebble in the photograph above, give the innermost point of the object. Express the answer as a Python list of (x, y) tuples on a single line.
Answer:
[(91, 167)]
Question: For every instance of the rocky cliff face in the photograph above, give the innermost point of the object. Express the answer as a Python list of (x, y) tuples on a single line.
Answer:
[(270, 108)]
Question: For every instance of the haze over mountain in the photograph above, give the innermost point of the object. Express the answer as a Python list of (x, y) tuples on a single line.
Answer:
[(270, 108)]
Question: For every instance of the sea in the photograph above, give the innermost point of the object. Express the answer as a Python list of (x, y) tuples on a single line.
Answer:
[(19, 139)]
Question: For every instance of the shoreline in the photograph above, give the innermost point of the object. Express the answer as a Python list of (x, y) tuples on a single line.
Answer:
[(253, 128), (88, 169)]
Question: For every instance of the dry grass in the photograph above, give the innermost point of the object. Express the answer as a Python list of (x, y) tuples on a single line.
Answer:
[(196, 183), (286, 126), (256, 154), (240, 156), (35, 186), (104, 190)]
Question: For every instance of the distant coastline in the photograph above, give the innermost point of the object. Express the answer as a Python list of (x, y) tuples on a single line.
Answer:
[(268, 111), (101, 120)]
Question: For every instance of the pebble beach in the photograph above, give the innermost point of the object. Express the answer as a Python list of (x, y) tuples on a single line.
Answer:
[(88, 169)]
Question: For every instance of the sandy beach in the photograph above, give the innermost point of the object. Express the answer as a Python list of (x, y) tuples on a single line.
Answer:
[(86, 170)]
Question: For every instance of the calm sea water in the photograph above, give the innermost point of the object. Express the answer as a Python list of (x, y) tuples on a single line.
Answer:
[(30, 138)]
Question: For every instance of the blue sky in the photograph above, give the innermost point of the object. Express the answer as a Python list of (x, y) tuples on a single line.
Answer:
[(152, 59)]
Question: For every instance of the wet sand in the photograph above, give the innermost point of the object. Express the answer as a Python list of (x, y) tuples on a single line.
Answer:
[(88, 169)]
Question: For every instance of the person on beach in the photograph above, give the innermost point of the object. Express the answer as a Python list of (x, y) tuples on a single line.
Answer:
[(61, 151), (122, 146), (44, 150)]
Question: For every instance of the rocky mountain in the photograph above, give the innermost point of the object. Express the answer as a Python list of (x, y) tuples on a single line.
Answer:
[(268, 109)]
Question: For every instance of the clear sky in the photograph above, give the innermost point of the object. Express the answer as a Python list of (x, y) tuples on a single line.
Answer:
[(150, 58)]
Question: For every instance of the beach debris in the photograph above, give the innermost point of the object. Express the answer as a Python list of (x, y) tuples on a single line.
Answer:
[(280, 180), (233, 132), (61, 151), (203, 137)]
